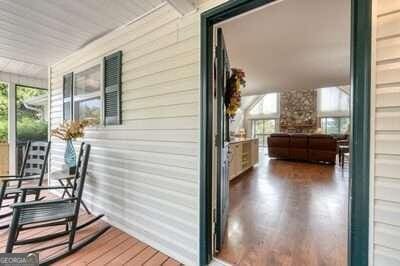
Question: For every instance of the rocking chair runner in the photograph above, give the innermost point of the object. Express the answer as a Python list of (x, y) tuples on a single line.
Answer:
[(30, 215), (32, 171)]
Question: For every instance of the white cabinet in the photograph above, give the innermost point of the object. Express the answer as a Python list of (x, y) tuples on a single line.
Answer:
[(234, 162), (254, 152), (243, 155)]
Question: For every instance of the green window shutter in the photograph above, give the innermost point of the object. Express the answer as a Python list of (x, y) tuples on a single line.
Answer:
[(112, 88), (68, 80)]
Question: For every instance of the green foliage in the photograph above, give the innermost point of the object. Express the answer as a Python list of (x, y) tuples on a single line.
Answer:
[(3, 130), (3, 112), (31, 129), (30, 125)]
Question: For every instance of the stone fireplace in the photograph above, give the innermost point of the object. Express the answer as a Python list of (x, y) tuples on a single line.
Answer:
[(298, 111)]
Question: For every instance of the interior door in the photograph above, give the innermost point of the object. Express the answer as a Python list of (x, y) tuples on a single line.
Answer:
[(222, 141)]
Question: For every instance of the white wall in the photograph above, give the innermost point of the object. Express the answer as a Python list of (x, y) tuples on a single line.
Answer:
[(144, 174), (386, 100)]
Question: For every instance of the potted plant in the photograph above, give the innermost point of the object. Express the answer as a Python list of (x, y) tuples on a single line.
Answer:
[(69, 131)]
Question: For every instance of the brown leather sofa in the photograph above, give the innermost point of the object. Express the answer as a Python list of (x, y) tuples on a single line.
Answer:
[(302, 147)]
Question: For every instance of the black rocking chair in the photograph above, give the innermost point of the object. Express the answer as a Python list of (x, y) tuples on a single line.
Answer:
[(47, 213), (32, 172)]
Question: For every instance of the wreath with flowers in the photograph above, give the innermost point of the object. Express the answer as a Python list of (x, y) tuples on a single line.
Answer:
[(233, 94)]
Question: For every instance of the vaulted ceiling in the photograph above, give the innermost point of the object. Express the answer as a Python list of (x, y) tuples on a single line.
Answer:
[(291, 44), (34, 34)]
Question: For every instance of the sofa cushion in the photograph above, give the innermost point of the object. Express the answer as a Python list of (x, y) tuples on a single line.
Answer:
[(298, 148), (298, 141), (322, 142), (281, 140), (278, 145)]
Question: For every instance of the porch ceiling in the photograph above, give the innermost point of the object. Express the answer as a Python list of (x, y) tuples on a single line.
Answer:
[(35, 34)]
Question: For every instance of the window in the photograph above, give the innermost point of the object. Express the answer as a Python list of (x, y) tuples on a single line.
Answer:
[(268, 105), (335, 125), (67, 96), (333, 101), (333, 110), (87, 94), (262, 128)]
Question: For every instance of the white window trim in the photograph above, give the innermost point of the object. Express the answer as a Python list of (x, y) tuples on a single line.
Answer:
[(253, 121), (81, 69), (338, 117)]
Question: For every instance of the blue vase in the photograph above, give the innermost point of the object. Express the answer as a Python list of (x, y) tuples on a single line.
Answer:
[(70, 156)]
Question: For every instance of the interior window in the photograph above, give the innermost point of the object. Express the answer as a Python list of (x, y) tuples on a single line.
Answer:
[(332, 101), (262, 128), (267, 105), (87, 94), (335, 125)]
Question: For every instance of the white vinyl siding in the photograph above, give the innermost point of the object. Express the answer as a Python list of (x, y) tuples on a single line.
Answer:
[(386, 219), (144, 174)]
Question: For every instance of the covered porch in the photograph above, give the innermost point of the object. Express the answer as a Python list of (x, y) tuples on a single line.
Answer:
[(114, 247), (48, 34)]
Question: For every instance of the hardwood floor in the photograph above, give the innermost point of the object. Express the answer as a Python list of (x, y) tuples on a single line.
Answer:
[(288, 213), (114, 247)]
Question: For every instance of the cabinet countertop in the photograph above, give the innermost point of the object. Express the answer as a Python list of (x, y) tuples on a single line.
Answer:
[(241, 140)]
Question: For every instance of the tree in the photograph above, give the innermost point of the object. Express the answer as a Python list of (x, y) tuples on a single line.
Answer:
[(30, 125), (3, 112)]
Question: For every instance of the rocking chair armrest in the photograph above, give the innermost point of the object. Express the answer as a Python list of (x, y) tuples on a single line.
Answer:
[(21, 205), (8, 176), (26, 178), (45, 187)]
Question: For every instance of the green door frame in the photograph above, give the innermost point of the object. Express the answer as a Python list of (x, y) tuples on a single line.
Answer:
[(361, 15)]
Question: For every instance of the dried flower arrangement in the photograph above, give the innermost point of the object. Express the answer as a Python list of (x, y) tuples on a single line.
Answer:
[(71, 130), (233, 94)]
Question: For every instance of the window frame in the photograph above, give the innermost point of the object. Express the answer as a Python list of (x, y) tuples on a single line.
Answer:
[(253, 129), (99, 62), (265, 116), (334, 113), (68, 102), (339, 118)]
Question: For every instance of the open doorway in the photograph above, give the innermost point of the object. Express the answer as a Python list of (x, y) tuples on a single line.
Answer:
[(288, 197)]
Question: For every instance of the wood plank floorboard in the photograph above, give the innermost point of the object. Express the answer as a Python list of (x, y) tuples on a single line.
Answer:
[(288, 213), (142, 257), (130, 253), (114, 247)]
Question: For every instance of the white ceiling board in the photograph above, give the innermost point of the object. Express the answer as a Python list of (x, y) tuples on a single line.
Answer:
[(291, 45), (41, 32), (22, 68), (183, 6)]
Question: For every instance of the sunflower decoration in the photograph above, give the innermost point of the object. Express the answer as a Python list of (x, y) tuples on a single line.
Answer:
[(233, 94)]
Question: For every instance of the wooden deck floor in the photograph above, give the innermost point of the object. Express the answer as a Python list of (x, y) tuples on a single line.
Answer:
[(114, 247)]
